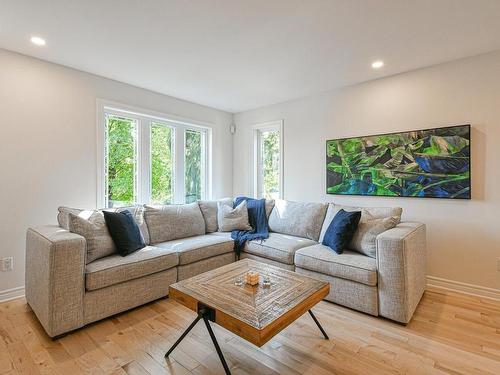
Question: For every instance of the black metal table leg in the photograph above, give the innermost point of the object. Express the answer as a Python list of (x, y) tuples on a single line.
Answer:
[(183, 335), (216, 344), (203, 314), (319, 325)]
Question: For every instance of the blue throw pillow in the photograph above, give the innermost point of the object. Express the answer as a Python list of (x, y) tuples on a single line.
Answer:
[(124, 231), (341, 230)]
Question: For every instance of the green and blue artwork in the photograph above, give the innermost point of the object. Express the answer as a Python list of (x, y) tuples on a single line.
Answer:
[(433, 163)]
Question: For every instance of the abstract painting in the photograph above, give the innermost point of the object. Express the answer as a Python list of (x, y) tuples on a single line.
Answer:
[(431, 163)]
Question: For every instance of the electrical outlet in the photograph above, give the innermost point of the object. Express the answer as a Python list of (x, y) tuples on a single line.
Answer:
[(7, 264)]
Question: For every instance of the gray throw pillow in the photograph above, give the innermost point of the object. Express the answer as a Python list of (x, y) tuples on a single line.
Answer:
[(230, 218), (372, 212), (137, 212), (93, 228), (365, 237), (269, 207), (63, 215), (209, 211)]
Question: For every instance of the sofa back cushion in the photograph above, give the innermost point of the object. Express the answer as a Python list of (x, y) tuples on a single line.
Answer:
[(171, 222), (209, 212), (298, 219), (137, 212), (91, 226)]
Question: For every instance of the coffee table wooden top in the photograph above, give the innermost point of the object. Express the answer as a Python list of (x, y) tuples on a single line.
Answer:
[(255, 313)]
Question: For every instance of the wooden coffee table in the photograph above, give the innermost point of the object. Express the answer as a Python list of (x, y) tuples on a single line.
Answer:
[(255, 313)]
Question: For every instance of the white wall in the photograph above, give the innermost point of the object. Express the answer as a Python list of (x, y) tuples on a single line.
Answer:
[(48, 144), (463, 236)]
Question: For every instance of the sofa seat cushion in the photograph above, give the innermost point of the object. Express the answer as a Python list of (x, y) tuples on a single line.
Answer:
[(278, 247), (116, 269), (349, 265), (193, 249)]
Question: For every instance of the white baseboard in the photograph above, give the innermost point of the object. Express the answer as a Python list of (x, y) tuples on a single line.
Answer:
[(459, 287), (10, 294)]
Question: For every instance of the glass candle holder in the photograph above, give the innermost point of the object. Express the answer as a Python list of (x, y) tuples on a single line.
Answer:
[(238, 281), (266, 280)]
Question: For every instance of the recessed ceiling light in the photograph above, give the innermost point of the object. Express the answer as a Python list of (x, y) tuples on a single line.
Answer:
[(38, 41), (377, 64)]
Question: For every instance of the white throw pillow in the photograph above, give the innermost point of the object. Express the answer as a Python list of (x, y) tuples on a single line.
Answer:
[(230, 218)]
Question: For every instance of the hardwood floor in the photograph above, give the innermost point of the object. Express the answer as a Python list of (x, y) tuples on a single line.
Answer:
[(449, 334)]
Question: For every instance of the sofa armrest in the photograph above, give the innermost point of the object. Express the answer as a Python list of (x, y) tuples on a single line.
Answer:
[(55, 277), (401, 263)]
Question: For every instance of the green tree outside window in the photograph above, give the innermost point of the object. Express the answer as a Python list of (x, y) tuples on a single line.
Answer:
[(161, 163), (193, 173), (121, 161), (270, 146)]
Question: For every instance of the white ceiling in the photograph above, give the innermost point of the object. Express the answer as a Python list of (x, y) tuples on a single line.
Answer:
[(237, 55)]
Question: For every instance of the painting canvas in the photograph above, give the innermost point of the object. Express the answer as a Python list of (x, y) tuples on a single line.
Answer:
[(432, 163)]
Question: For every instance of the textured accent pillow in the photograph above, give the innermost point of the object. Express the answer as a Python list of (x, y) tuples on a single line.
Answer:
[(137, 212), (341, 230), (374, 212), (209, 212), (63, 215), (96, 234), (170, 222), (124, 231), (230, 218), (364, 240), (269, 207)]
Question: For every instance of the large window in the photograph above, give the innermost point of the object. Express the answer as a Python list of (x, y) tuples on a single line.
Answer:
[(268, 160), (146, 158)]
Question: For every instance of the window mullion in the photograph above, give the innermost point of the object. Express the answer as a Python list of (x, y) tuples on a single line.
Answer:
[(179, 160), (144, 161)]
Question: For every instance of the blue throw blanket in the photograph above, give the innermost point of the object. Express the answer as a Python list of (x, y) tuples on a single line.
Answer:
[(258, 220)]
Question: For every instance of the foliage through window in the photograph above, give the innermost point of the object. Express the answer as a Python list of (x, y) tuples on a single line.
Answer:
[(162, 173), (146, 159), (121, 161), (193, 165)]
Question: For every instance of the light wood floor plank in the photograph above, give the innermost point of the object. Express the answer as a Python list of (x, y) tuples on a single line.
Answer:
[(449, 334)]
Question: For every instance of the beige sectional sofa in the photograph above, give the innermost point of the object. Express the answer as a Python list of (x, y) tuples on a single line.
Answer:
[(66, 292)]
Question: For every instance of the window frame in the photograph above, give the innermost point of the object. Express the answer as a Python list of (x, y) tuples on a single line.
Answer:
[(144, 119), (258, 129)]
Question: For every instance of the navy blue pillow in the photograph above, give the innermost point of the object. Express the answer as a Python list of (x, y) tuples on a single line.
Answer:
[(124, 231), (341, 230)]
